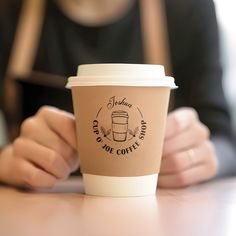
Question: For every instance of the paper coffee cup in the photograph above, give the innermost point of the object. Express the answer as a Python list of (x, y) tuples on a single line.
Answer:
[(120, 112)]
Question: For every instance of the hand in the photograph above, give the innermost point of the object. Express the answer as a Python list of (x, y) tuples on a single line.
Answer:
[(188, 154), (44, 152)]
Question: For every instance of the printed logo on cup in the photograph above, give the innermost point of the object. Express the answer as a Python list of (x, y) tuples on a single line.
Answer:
[(119, 126)]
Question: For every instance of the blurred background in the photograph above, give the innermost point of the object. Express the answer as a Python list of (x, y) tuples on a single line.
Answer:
[(226, 14)]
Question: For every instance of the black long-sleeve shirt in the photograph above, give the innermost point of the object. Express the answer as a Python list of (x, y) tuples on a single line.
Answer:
[(194, 47)]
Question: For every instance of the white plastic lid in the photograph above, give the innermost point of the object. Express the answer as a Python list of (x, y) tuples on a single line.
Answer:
[(144, 75)]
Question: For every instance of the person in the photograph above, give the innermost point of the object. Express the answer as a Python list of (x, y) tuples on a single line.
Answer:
[(197, 144)]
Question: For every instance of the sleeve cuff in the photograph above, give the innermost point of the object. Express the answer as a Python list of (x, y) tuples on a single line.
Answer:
[(226, 155)]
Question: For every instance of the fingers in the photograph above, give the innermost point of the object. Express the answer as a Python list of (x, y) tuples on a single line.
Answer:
[(44, 152), (20, 172), (179, 120), (182, 170), (61, 122), (37, 130), (185, 159), (190, 137), (42, 157), (188, 154), (33, 176), (186, 178)]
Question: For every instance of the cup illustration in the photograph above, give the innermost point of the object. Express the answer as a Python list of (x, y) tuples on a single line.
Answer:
[(120, 114), (119, 125)]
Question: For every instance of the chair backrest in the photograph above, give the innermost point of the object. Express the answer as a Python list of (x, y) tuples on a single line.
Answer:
[(26, 39), (154, 33), (21, 59)]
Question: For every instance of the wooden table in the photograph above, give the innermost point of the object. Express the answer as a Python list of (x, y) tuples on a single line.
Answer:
[(207, 209)]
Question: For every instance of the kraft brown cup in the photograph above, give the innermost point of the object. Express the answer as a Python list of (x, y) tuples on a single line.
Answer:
[(120, 112)]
